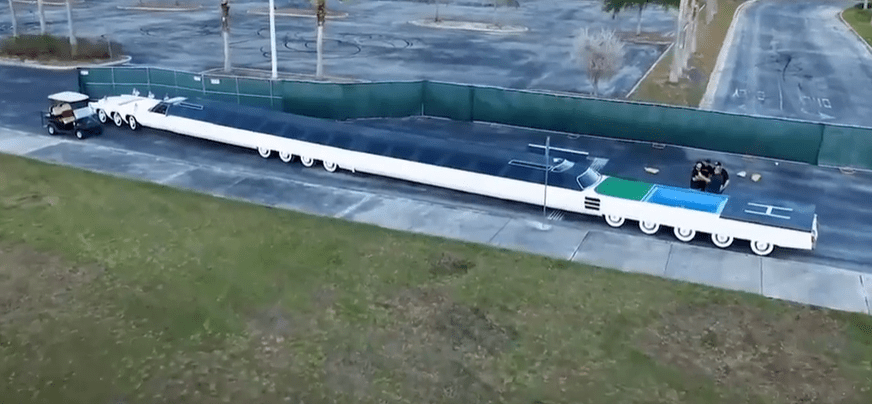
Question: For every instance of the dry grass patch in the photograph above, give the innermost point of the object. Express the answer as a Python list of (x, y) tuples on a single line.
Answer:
[(789, 357)]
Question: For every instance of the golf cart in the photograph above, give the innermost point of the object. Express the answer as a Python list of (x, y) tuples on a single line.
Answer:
[(70, 114)]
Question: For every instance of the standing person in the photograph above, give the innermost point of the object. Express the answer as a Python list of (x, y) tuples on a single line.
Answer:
[(701, 175), (723, 171), (718, 180), (696, 180)]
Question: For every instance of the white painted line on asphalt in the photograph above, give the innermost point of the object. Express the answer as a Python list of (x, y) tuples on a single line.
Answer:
[(650, 69), (715, 78), (173, 176), (354, 206)]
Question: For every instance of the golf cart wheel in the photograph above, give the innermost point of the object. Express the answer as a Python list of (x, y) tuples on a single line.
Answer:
[(131, 121), (79, 134), (101, 115), (117, 119), (51, 130)]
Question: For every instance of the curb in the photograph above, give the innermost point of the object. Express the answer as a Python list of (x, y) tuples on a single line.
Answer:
[(650, 69), (428, 24), (295, 14), (137, 8), (714, 80), (48, 3), (36, 65), (842, 18)]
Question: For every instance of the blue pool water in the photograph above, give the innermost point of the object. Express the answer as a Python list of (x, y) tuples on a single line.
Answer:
[(686, 198)]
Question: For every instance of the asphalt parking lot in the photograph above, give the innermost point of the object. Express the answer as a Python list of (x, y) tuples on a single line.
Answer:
[(375, 42), (846, 226), (797, 60)]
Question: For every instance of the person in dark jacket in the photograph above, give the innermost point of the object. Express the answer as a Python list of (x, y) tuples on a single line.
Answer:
[(699, 177), (719, 179)]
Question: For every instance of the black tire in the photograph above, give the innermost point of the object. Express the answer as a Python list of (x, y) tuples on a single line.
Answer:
[(79, 134), (52, 130)]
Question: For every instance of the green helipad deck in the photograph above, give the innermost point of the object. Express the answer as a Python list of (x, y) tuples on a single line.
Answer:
[(625, 189)]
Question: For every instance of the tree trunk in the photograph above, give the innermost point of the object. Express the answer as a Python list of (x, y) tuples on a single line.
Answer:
[(225, 32), (677, 47), (711, 8), (274, 57), (322, 16), (694, 20), (226, 36), (437, 11), (865, 4), (14, 20), (74, 44), (639, 21), (319, 67), (596, 87), (41, 13)]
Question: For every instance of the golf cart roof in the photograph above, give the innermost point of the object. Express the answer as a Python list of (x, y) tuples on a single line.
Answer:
[(68, 96)]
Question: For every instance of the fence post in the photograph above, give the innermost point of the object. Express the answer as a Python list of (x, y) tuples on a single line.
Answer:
[(238, 98)]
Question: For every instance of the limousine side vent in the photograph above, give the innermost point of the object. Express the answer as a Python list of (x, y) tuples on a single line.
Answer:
[(591, 203)]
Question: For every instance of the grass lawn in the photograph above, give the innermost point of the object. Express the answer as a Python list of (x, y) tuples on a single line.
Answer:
[(690, 88), (48, 48), (860, 20), (117, 291)]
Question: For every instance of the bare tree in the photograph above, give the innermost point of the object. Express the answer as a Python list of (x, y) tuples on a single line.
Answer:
[(600, 54), (14, 20), (41, 13), (225, 32), (74, 44)]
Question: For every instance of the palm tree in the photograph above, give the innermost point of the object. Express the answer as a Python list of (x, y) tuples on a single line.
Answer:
[(14, 20), (321, 14), (74, 45), (225, 32)]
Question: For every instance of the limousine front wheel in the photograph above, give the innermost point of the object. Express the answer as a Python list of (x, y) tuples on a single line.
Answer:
[(101, 115)]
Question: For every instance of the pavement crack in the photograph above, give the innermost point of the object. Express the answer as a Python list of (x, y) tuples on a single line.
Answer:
[(491, 240)]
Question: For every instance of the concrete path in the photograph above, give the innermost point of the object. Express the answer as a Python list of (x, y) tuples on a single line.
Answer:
[(795, 59), (799, 282)]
